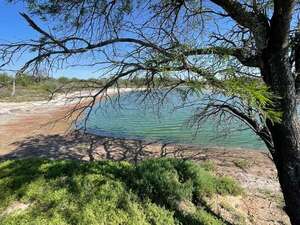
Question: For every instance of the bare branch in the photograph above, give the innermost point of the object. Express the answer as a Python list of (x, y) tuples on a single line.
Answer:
[(254, 21)]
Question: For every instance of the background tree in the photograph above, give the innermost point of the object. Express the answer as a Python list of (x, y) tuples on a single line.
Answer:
[(247, 50)]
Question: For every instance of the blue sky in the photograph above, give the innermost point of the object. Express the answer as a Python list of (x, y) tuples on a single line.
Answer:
[(14, 28)]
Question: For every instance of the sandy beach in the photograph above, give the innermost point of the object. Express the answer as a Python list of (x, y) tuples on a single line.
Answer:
[(19, 121), (31, 129)]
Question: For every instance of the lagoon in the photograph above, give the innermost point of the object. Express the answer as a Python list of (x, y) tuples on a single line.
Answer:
[(131, 116)]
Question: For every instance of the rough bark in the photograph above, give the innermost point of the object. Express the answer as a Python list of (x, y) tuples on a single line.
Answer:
[(277, 74), (296, 54), (287, 162), (286, 134)]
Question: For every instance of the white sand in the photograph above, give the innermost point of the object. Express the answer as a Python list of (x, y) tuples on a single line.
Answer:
[(10, 109)]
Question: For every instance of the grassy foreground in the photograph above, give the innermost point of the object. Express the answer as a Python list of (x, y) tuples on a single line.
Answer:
[(158, 191)]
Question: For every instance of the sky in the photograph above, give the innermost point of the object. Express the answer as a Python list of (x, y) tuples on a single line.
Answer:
[(14, 28)]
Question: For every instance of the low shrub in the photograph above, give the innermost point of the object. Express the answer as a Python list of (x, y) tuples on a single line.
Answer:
[(201, 215), (5, 80), (105, 192), (180, 179)]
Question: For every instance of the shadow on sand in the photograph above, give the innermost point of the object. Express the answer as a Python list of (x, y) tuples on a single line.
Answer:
[(88, 147)]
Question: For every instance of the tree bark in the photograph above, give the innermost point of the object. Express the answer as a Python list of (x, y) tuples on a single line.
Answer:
[(287, 162), (276, 70), (13, 92), (277, 74)]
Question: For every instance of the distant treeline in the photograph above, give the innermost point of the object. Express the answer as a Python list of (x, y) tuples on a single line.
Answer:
[(45, 83), (27, 87), (50, 83), (25, 80)]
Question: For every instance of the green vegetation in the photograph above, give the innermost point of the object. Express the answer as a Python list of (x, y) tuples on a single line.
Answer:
[(32, 88), (242, 163), (209, 165), (158, 191)]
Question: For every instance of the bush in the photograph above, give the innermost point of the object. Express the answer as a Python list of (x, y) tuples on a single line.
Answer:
[(105, 192), (5, 79), (168, 182), (160, 181), (67, 192), (183, 178), (63, 80), (25, 80), (200, 215), (48, 86)]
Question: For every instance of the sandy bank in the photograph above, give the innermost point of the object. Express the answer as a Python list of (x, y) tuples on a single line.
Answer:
[(25, 119)]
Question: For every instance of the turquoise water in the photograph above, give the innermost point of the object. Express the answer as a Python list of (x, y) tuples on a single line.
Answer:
[(131, 117)]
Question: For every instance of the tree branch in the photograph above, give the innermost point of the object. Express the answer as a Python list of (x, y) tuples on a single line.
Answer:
[(256, 22), (261, 131), (240, 54), (280, 24)]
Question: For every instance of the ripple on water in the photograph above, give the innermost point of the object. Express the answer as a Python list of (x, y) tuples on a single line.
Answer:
[(141, 121)]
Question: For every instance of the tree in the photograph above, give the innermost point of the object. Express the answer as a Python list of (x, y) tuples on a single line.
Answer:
[(13, 92), (246, 50)]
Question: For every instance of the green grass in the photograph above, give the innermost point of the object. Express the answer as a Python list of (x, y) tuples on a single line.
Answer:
[(108, 193), (243, 164), (209, 165)]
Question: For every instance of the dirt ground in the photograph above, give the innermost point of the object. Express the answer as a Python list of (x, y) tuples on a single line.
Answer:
[(32, 130)]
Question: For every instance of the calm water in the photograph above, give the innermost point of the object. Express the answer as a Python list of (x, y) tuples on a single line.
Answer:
[(136, 119)]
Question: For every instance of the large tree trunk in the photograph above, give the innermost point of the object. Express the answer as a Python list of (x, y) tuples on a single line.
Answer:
[(286, 134), (287, 161), (277, 74)]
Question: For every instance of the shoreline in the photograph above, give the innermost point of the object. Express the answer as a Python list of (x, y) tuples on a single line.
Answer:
[(25, 132), (40, 117), (173, 143)]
